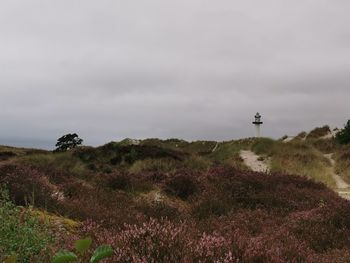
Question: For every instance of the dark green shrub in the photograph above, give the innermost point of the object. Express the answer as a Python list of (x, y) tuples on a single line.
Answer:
[(182, 186), (119, 182), (116, 160), (343, 136), (7, 155), (68, 142)]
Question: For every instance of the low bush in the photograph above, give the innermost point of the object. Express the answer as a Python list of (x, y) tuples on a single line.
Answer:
[(182, 186), (28, 186), (22, 234)]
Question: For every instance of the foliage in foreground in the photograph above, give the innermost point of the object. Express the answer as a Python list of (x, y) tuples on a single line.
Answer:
[(21, 234), (82, 246)]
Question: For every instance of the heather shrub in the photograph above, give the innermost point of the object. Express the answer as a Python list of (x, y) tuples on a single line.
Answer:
[(182, 186), (119, 181), (210, 204), (159, 209), (27, 186), (153, 241), (124, 181), (5, 155), (113, 207), (209, 215), (324, 228), (211, 248)]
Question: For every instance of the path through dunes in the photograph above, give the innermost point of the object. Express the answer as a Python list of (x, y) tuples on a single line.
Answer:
[(343, 188), (254, 162)]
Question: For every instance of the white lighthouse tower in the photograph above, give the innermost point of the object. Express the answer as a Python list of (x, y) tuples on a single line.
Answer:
[(257, 124)]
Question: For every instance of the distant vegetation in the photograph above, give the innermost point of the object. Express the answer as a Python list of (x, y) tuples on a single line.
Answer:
[(318, 132), (176, 201), (67, 142), (343, 136)]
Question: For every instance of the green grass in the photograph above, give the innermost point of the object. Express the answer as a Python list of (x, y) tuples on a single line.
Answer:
[(324, 145), (195, 147), (154, 165), (166, 165), (296, 157), (228, 153), (318, 132), (21, 233), (64, 161)]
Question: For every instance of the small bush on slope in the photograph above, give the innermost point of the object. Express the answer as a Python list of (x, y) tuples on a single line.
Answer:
[(182, 186), (28, 186)]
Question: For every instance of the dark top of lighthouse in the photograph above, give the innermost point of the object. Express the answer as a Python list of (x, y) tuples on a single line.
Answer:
[(257, 119)]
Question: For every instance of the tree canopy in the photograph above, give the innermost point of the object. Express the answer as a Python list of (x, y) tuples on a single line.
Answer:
[(67, 142)]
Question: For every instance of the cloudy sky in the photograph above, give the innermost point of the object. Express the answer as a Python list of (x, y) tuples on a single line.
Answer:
[(192, 69)]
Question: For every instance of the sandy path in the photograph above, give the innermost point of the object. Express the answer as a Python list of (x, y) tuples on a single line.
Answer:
[(216, 146), (341, 184), (252, 161)]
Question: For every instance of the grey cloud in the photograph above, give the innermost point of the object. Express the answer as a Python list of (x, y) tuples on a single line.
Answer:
[(192, 69)]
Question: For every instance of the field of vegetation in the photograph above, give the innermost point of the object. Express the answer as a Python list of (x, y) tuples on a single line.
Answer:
[(176, 201)]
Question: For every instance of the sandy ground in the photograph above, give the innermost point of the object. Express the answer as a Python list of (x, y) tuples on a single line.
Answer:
[(252, 160), (341, 184), (288, 139), (216, 146)]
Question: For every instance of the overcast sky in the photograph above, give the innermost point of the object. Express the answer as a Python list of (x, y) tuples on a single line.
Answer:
[(191, 69)]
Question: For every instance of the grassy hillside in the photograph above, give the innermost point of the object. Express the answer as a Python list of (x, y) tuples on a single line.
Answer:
[(176, 201), (342, 158), (296, 157)]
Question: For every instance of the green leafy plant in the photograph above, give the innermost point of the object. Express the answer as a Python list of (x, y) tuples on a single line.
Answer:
[(23, 238), (82, 246)]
